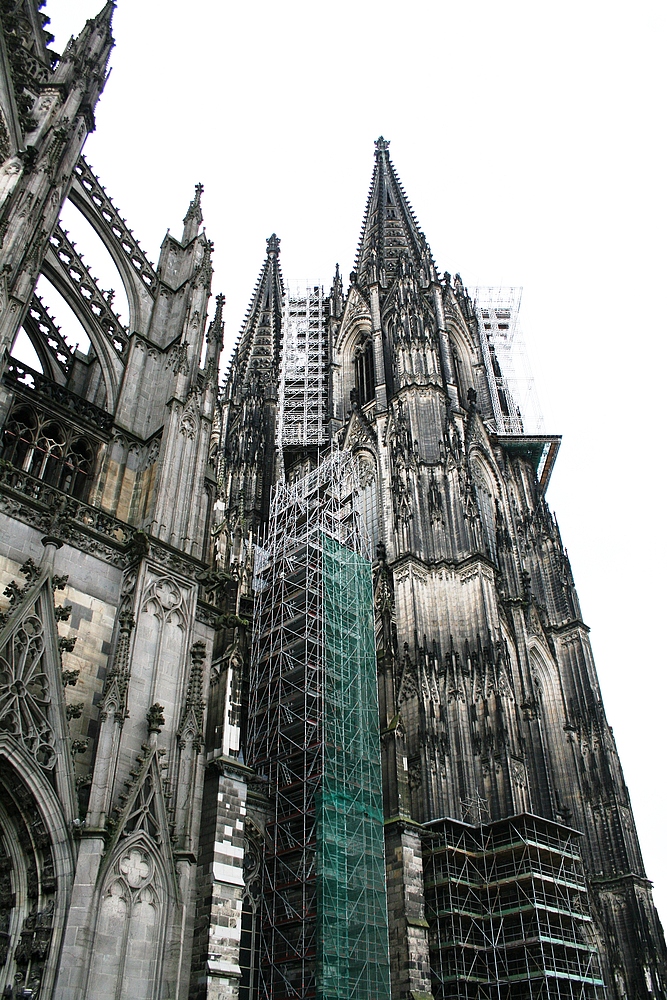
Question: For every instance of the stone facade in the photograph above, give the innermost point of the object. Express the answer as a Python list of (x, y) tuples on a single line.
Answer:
[(132, 494)]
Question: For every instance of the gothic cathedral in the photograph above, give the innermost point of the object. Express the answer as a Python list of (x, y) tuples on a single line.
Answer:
[(296, 697)]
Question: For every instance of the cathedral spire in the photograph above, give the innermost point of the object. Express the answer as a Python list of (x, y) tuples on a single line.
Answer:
[(95, 37), (258, 349), (105, 16), (390, 230), (193, 217), (86, 58)]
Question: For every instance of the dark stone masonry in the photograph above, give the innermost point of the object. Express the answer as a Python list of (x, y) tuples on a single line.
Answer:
[(180, 816)]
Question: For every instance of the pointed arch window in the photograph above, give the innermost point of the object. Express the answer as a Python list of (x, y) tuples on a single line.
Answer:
[(130, 927), (462, 377), (50, 450), (364, 371), (369, 498), (19, 437), (486, 503)]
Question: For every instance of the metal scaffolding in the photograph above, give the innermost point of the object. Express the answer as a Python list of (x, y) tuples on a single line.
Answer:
[(516, 407), (304, 375), (508, 910), (314, 733)]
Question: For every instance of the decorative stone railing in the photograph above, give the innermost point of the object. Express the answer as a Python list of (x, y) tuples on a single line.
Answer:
[(27, 378), (55, 513), (87, 528)]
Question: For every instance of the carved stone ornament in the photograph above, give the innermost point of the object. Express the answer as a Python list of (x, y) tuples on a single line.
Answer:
[(136, 866), (24, 692), (155, 718)]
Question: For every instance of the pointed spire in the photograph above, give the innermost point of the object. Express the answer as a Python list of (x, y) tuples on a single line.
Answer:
[(89, 52), (257, 353), (105, 16), (193, 217), (390, 230), (100, 26), (337, 294), (216, 329)]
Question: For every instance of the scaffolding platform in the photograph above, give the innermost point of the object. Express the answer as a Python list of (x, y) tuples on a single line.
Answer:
[(507, 906)]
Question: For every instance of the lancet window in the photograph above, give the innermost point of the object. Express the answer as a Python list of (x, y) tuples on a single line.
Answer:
[(364, 370), (49, 450), (486, 504)]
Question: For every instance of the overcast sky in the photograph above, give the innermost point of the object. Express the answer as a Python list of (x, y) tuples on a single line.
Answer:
[(530, 140)]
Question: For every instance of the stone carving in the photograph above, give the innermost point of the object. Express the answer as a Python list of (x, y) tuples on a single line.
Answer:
[(155, 718), (191, 728), (136, 866), (165, 598), (45, 388), (24, 692)]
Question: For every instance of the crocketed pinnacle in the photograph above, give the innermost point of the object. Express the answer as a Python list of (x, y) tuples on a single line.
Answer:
[(99, 25), (105, 16), (390, 229), (257, 354), (193, 217)]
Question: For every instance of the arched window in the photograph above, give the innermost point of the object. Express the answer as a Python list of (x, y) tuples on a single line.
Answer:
[(364, 370), (77, 469), (462, 363), (48, 454), (130, 927), (368, 499), (48, 450), (486, 503), (19, 437)]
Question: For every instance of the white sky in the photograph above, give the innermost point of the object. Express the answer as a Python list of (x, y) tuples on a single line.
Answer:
[(529, 138)]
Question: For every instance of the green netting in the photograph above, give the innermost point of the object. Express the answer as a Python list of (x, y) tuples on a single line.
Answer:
[(353, 943)]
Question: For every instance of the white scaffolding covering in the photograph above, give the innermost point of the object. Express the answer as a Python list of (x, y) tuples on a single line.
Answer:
[(303, 385), (515, 403)]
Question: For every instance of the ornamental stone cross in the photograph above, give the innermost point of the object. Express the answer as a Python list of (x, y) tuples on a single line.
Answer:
[(134, 868)]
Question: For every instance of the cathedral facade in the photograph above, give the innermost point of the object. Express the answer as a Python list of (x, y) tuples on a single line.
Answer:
[(296, 696)]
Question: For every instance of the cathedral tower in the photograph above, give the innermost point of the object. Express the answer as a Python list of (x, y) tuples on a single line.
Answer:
[(490, 709), (295, 691)]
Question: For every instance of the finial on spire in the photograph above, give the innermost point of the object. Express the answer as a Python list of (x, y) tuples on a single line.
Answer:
[(273, 244), (219, 305), (216, 329), (193, 217), (196, 201), (382, 144), (337, 294)]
